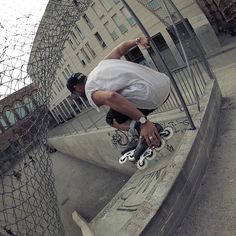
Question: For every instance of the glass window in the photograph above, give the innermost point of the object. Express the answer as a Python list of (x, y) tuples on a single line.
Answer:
[(93, 54), (3, 122), (154, 4), (86, 56), (100, 40), (62, 84), (11, 117), (67, 72), (20, 110), (111, 30), (128, 16), (79, 32), (98, 9), (81, 60), (87, 20), (119, 23), (75, 38), (71, 44), (106, 4), (64, 74), (38, 97), (69, 68), (29, 104)]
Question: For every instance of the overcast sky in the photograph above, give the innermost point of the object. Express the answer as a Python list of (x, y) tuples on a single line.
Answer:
[(19, 21)]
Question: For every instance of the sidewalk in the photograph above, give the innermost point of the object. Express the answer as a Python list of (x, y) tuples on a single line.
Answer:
[(213, 211)]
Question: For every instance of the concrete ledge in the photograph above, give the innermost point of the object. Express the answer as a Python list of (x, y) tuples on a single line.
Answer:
[(154, 201)]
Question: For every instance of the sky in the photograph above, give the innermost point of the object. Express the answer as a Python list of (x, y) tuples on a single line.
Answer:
[(19, 21)]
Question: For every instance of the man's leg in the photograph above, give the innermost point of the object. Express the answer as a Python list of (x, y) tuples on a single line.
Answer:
[(118, 120)]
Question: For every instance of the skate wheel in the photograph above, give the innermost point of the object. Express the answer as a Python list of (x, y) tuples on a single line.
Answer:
[(167, 133), (162, 145), (142, 164), (131, 158), (122, 160), (150, 154)]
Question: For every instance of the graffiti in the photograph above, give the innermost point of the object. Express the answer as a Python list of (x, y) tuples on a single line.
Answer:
[(133, 197), (119, 137), (177, 125), (169, 147)]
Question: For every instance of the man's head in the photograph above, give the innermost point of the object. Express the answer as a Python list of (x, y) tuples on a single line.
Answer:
[(76, 84)]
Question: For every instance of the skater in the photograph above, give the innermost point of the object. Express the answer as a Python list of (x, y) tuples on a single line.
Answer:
[(132, 91)]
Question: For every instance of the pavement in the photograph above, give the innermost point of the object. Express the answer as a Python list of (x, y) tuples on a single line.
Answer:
[(213, 211), (82, 187)]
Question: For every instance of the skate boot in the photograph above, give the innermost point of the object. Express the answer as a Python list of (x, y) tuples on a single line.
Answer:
[(128, 152)]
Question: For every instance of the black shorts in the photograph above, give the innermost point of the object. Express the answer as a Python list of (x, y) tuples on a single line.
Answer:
[(121, 118)]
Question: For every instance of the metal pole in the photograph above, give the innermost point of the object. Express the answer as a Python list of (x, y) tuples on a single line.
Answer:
[(185, 56), (157, 52), (200, 50)]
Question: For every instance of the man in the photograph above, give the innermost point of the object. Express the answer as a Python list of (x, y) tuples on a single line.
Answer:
[(132, 91)]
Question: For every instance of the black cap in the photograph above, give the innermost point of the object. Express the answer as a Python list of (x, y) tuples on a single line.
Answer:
[(73, 80)]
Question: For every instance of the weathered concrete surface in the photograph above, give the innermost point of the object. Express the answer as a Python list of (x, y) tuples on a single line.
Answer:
[(213, 211)]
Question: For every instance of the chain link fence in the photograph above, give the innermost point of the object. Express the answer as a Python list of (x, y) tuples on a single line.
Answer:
[(28, 202)]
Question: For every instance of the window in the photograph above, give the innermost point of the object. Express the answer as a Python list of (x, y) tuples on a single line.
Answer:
[(37, 97), (87, 20), (3, 122), (54, 92), (59, 85), (128, 16), (64, 75), (84, 53), (70, 70), (110, 30), (55, 84), (93, 54), (71, 44), (106, 4), (98, 9), (67, 72), (11, 117), (119, 24), (20, 110), (79, 32), (154, 4), (75, 38), (100, 40), (81, 60)]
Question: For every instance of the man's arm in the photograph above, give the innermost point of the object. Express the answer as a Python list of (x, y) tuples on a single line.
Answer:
[(125, 46), (124, 106)]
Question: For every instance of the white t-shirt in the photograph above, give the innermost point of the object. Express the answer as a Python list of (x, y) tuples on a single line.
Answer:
[(141, 85)]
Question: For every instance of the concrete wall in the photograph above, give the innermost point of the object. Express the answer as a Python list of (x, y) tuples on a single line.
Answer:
[(94, 147), (154, 201), (191, 162)]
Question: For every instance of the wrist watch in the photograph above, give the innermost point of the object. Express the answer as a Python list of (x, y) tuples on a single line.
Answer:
[(143, 120)]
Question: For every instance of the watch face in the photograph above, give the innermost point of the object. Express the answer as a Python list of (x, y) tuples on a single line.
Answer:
[(142, 120)]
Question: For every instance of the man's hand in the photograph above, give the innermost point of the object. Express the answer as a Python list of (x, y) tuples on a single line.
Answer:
[(150, 134), (144, 42)]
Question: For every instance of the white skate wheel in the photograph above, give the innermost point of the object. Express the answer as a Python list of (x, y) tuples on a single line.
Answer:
[(168, 133), (149, 154), (142, 164), (122, 160), (131, 158), (162, 145)]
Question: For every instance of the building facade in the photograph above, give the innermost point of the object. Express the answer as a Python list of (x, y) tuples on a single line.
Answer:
[(105, 24)]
